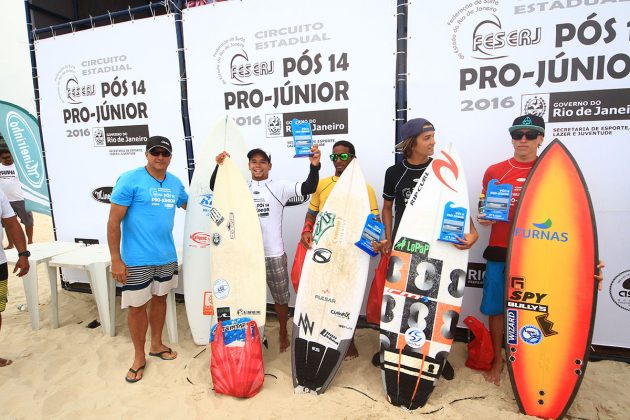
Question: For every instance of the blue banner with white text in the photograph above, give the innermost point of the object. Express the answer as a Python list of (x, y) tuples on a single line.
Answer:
[(21, 133)]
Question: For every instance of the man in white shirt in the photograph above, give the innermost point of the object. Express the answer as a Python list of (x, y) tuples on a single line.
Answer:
[(10, 185), (270, 197)]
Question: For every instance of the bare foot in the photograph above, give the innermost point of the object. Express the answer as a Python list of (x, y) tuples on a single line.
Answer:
[(8, 246), (284, 342), (352, 352), (494, 374), (5, 362)]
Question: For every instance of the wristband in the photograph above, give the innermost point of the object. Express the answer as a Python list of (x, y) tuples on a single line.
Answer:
[(308, 227)]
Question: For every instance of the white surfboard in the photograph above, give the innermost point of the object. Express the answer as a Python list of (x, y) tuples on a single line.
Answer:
[(332, 285), (237, 267), (197, 239), (425, 285)]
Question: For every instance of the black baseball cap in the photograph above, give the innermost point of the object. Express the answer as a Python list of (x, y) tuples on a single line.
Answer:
[(258, 151), (159, 141), (533, 122)]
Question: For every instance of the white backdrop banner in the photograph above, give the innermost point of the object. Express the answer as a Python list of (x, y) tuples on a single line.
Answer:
[(476, 65), (267, 63), (103, 93)]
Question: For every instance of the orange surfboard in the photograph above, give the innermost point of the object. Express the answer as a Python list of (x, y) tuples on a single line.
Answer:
[(550, 288)]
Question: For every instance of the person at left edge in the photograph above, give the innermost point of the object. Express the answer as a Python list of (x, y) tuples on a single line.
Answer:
[(270, 197), (11, 186), (143, 202), (12, 226)]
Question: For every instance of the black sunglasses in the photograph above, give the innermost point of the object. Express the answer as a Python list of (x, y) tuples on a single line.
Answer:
[(529, 135), (342, 156), (164, 153)]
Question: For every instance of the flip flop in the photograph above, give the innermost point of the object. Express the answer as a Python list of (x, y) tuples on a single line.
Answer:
[(5, 362), (135, 374), (161, 354)]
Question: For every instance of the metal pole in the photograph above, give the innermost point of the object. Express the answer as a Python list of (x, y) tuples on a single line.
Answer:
[(183, 84), (31, 46), (401, 69), (87, 22)]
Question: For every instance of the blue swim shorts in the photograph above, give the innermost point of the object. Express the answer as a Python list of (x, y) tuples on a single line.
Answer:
[(493, 300)]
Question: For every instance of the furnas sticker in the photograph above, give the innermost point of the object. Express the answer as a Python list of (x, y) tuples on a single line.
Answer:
[(531, 334), (542, 232), (512, 326)]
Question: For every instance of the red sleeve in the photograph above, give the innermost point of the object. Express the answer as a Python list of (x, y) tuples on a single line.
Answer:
[(486, 179)]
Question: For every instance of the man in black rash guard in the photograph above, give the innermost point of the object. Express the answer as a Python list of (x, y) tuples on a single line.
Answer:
[(417, 143)]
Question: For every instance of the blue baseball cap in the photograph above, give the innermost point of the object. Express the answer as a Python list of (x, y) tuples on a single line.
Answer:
[(411, 129)]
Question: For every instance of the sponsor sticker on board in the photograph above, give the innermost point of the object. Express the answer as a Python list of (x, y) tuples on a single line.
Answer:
[(415, 338), (221, 289), (531, 334), (512, 326)]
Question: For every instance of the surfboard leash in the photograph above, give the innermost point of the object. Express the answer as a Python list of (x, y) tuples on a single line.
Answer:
[(360, 392), (454, 401), (186, 367)]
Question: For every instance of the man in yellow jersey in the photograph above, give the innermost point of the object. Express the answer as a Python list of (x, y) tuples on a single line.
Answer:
[(342, 154)]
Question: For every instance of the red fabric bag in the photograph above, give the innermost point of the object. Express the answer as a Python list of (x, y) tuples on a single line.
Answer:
[(298, 262), (480, 351), (375, 298), (237, 370)]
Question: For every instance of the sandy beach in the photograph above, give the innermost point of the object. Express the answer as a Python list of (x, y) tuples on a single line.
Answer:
[(78, 372)]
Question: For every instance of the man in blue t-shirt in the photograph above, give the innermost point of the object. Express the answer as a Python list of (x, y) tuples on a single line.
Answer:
[(143, 203)]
